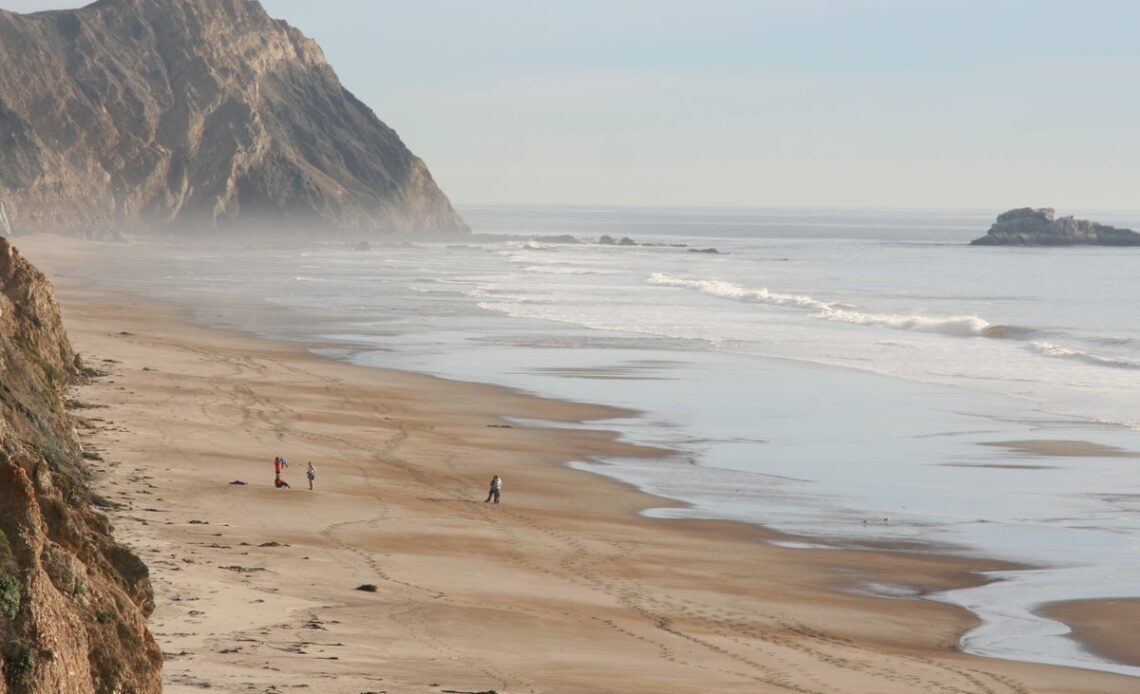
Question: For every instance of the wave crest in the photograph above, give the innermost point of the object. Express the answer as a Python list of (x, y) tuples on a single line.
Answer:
[(963, 326), (1053, 350)]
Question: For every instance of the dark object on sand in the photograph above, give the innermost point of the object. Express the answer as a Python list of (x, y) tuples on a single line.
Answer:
[(367, 587), (239, 482)]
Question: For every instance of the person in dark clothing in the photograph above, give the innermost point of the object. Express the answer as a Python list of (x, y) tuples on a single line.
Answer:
[(496, 490)]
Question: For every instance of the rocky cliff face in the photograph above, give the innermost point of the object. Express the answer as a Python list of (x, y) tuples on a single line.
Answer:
[(1030, 227), (73, 603), (197, 114)]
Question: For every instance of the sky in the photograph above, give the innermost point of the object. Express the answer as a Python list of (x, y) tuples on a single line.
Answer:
[(751, 103)]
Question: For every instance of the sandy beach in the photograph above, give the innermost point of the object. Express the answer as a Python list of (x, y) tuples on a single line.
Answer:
[(561, 588)]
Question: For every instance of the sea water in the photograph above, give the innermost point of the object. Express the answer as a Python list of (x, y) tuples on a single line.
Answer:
[(831, 374)]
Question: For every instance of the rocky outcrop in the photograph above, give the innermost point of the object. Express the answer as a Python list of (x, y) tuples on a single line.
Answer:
[(1030, 227), (73, 602), (194, 114)]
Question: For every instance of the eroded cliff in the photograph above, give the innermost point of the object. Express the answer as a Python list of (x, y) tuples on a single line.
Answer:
[(194, 114), (73, 602)]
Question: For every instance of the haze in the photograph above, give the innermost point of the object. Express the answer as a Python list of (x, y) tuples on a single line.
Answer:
[(869, 103)]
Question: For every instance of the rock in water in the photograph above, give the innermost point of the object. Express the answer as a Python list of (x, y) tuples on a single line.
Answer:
[(1030, 227), (197, 115)]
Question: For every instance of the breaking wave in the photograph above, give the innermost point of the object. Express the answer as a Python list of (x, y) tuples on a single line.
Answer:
[(962, 326), (1052, 350)]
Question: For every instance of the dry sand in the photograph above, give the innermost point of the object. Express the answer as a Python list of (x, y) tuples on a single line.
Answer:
[(561, 588)]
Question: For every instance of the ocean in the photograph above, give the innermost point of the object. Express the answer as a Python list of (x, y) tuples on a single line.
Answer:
[(852, 377)]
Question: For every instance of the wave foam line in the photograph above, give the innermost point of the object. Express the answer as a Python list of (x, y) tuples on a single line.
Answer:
[(964, 326), (1052, 350)]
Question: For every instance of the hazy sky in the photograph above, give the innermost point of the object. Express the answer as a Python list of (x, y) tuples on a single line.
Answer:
[(902, 103)]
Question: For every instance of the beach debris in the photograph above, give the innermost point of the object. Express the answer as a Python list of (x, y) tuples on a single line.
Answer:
[(367, 587), (241, 569), (241, 482), (199, 522), (272, 543)]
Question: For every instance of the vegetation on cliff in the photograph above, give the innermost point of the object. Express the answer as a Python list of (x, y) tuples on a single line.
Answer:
[(197, 115), (73, 602)]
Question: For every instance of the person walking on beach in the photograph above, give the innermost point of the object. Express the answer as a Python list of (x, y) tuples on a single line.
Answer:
[(496, 489), (311, 473)]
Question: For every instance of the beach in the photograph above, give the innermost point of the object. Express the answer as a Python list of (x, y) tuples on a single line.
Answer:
[(563, 587)]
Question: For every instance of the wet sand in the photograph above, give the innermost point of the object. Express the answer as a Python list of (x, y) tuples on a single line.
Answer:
[(561, 588), (1063, 449), (1105, 628)]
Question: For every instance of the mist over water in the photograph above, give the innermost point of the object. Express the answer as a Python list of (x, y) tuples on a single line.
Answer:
[(832, 374)]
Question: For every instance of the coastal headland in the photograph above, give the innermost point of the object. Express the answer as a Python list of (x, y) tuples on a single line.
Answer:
[(563, 587)]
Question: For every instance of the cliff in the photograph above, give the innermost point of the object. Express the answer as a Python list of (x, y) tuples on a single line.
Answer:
[(73, 603), (1030, 227), (198, 115)]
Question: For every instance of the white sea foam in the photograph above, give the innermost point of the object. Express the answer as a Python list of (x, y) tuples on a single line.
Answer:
[(729, 290), (1053, 350), (566, 270), (965, 326)]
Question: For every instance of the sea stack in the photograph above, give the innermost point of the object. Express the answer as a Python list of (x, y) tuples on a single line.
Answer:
[(194, 116), (1038, 227)]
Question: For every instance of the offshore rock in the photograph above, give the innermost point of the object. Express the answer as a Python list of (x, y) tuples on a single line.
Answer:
[(73, 602), (195, 115), (1030, 227)]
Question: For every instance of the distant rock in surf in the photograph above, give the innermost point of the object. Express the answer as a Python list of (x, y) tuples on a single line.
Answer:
[(562, 238), (608, 240), (1029, 227)]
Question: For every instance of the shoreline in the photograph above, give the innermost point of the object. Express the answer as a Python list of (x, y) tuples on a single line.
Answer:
[(824, 572)]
